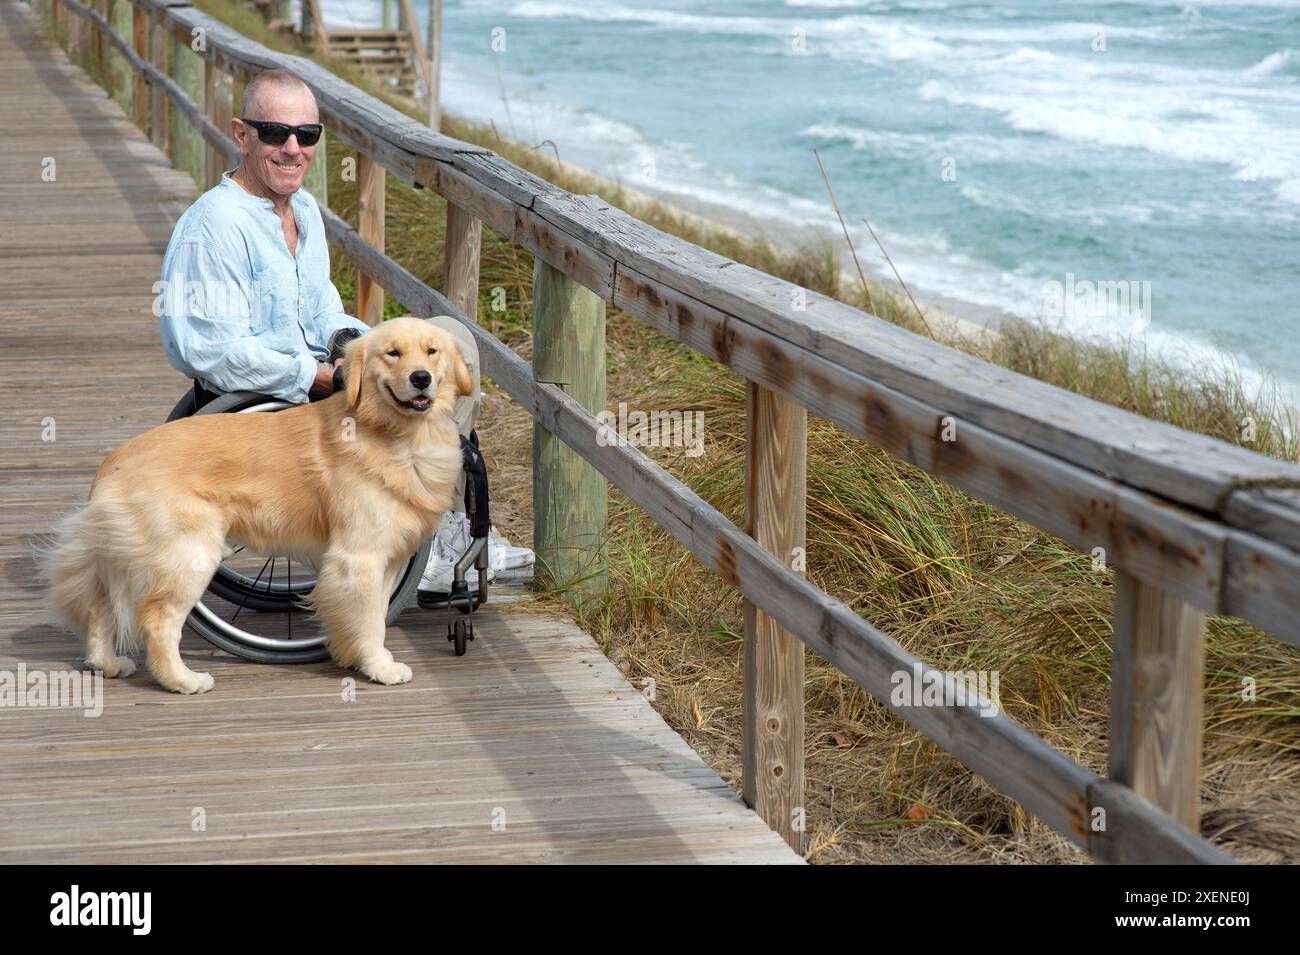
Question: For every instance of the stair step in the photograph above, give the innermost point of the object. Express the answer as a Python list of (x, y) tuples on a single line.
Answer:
[(368, 34), (366, 56), (369, 40), (368, 48)]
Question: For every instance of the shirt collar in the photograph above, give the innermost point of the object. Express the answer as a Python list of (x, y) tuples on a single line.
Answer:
[(295, 200)]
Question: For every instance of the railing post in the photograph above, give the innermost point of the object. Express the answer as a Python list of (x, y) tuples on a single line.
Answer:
[(100, 7), (570, 497), (75, 25), (317, 179), (773, 702), (139, 87), (119, 70), (371, 178), (1157, 665), (160, 113), (218, 92), (187, 142), (464, 238), (306, 24)]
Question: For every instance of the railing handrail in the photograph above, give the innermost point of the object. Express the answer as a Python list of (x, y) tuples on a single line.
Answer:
[(1212, 524)]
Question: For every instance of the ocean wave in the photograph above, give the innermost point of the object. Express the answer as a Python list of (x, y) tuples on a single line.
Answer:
[(1281, 62), (614, 13), (828, 4), (882, 31), (928, 147), (1094, 215), (1161, 122)]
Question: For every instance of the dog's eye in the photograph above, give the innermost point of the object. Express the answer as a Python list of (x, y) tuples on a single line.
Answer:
[(433, 351), (394, 353)]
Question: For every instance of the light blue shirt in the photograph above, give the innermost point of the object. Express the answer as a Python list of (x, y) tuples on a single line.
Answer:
[(237, 310)]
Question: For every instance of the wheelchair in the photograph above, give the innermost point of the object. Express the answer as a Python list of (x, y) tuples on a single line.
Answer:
[(254, 605)]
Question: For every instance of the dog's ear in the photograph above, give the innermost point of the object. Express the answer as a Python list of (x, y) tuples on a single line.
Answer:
[(354, 367), (464, 380)]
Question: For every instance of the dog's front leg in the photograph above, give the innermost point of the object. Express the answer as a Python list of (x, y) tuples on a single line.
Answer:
[(352, 597)]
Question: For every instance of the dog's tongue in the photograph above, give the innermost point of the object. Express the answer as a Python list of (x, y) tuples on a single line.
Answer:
[(420, 401)]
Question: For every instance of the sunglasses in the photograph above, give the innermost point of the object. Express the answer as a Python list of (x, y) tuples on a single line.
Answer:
[(276, 134)]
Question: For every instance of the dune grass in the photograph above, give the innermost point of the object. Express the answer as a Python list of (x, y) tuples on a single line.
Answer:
[(955, 581)]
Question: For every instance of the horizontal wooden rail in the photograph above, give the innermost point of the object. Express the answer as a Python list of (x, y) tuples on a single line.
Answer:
[(1194, 525)]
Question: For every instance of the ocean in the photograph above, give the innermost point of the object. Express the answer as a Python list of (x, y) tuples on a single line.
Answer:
[(1121, 169)]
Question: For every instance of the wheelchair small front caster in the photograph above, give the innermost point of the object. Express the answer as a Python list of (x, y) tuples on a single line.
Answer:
[(458, 636)]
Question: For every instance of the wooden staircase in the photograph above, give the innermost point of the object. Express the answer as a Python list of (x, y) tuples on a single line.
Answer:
[(383, 55), (391, 56)]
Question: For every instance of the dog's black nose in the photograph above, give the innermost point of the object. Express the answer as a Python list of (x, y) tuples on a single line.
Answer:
[(421, 379)]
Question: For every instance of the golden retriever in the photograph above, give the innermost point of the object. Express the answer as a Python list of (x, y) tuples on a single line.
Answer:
[(351, 484)]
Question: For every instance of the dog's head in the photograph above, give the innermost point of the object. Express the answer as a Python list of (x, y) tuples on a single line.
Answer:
[(402, 370)]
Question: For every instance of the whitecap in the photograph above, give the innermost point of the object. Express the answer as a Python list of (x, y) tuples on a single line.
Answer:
[(1283, 61)]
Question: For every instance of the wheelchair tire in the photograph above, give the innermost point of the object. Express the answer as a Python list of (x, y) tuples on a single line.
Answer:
[(234, 587)]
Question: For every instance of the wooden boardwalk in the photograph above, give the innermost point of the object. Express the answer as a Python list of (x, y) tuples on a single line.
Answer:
[(532, 747)]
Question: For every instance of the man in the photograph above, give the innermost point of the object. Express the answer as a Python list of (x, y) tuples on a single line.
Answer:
[(246, 300)]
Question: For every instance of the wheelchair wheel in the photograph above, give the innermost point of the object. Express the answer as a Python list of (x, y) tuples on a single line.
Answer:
[(254, 607)]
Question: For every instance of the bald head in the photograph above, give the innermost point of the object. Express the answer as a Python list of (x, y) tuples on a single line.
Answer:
[(270, 87), (274, 170)]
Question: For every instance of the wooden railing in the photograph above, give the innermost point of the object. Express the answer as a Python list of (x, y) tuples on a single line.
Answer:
[(1190, 525)]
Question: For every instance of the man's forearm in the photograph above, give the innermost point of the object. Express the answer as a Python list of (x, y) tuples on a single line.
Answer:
[(246, 365)]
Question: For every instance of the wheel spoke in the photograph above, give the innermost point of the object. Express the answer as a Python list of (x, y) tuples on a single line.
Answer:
[(243, 602)]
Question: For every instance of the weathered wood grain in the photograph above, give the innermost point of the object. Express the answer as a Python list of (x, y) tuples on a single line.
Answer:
[(570, 497), (371, 181), (139, 88), (1156, 688), (772, 710), (463, 240), (218, 93), (188, 123), (159, 113)]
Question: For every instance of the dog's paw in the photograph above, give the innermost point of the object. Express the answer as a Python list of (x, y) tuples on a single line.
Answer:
[(390, 673), (193, 683), (114, 667)]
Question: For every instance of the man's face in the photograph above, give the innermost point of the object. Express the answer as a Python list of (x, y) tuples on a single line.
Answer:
[(278, 169)]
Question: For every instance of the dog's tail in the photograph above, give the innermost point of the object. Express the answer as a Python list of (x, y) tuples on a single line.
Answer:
[(81, 589)]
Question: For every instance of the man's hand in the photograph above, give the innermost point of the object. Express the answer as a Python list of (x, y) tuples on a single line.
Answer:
[(324, 383)]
